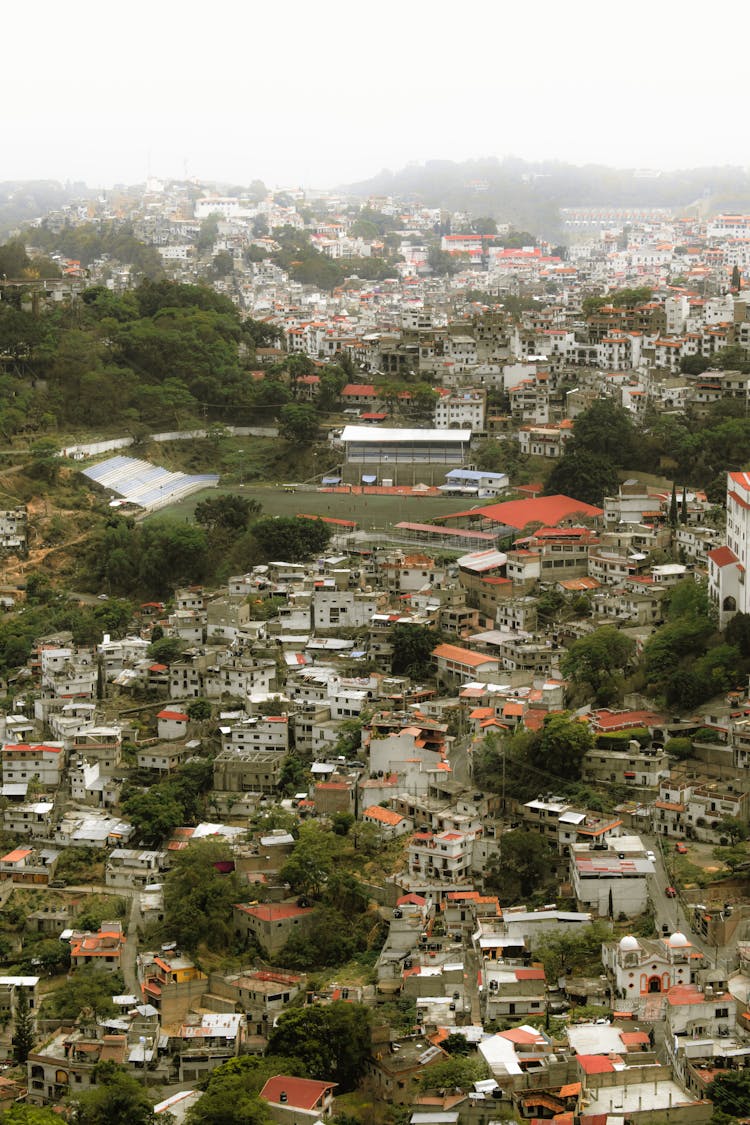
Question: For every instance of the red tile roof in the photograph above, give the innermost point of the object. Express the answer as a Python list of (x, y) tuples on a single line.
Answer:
[(595, 1064), (549, 510), (722, 556), (301, 1093)]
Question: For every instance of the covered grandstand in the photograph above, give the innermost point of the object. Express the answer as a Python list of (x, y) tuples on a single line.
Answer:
[(375, 455), (145, 485)]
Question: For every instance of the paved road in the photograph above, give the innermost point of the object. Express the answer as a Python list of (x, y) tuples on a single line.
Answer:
[(672, 912), (130, 950)]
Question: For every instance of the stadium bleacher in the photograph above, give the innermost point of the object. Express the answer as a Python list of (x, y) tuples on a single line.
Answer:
[(146, 485)]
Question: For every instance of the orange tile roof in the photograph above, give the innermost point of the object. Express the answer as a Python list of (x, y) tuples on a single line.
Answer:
[(462, 656), (385, 816)]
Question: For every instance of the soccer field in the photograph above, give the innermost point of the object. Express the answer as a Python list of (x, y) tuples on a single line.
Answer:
[(370, 511)]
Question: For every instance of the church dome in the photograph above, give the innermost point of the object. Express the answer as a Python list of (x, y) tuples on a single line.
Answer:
[(678, 939), (629, 944)]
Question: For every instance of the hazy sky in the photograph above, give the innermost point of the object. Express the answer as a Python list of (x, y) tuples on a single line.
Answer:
[(321, 93)]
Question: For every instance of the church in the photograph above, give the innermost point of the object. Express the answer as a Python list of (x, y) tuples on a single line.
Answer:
[(643, 966)]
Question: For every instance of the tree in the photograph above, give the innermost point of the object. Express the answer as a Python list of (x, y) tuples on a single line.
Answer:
[(585, 475), (23, 1028), (673, 508), (679, 748), (166, 650), (311, 861), (198, 896), (50, 955), (457, 1073), (736, 283), (441, 262), (209, 231), (572, 951), (154, 815), (45, 461), (24, 1114), (485, 225), (562, 744), (117, 1098), (597, 659), (332, 940), (199, 710), (457, 1044), (231, 1090), (605, 429), (298, 422), (730, 1092), (413, 646), (227, 514), (737, 633), (332, 1042), (290, 539), (88, 987), (223, 264), (522, 867), (735, 829)]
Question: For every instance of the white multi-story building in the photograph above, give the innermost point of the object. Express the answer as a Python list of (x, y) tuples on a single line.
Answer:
[(727, 566), (22, 763), (256, 733), (461, 409)]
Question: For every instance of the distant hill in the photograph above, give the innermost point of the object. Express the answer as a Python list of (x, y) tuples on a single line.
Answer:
[(22, 200), (530, 196)]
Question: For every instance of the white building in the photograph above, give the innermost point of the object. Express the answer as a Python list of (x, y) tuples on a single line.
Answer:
[(642, 966), (462, 408), (727, 566)]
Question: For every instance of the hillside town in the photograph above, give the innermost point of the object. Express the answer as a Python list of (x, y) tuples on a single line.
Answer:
[(468, 781)]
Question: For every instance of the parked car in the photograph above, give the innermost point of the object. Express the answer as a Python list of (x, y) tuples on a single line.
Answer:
[(651, 856), (670, 892), (680, 847)]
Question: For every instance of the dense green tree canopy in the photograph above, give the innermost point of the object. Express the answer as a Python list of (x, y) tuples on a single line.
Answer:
[(457, 1073), (584, 475), (117, 1098), (290, 539), (228, 514), (88, 987), (562, 744), (413, 646), (523, 866), (730, 1092), (598, 660), (332, 1041), (312, 859), (198, 897), (24, 1114), (231, 1091), (298, 422)]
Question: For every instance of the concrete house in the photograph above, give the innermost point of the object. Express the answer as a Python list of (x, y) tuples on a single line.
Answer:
[(171, 724), (298, 1101), (272, 924)]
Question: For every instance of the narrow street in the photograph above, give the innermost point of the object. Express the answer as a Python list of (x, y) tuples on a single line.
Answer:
[(130, 950), (672, 912)]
